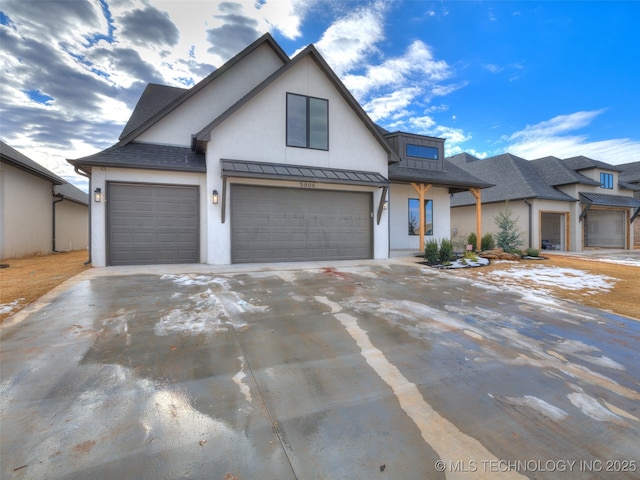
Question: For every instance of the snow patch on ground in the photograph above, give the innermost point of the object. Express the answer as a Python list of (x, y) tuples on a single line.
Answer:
[(559, 277), (534, 403), (216, 309), (11, 306), (592, 408)]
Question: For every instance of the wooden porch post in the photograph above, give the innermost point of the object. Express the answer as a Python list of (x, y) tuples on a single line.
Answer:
[(422, 189), (478, 195)]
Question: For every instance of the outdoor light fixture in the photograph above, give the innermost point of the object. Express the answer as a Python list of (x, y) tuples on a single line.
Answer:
[(385, 205), (214, 197), (97, 195)]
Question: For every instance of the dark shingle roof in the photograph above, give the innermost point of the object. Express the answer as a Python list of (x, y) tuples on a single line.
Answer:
[(555, 172), (153, 99), (462, 158), (242, 168), (609, 200), (514, 178), (18, 160), (146, 156), (630, 172), (453, 177), (586, 163)]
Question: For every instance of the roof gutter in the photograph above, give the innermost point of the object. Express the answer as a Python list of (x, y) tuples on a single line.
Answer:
[(60, 198), (84, 173)]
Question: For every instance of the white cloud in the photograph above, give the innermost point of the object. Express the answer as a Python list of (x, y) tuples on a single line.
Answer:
[(551, 137), (352, 39), (390, 104)]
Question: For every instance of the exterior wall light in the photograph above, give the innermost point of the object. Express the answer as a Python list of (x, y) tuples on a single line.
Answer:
[(386, 205), (97, 195), (214, 197)]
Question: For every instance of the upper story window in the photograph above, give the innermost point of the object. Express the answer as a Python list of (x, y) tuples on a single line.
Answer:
[(606, 180), (420, 151), (307, 122)]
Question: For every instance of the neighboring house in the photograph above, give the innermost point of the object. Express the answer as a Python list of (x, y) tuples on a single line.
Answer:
[(40, 212), (566, 204), (630, 174), (267, 159)]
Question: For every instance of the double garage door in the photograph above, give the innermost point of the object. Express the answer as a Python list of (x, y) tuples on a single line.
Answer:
[(288, 224), (152, 224)]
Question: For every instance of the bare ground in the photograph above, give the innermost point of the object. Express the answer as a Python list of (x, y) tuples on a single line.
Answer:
[(27, 279), (622, 299)]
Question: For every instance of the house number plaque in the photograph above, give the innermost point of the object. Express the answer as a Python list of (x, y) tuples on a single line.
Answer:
[(307, 185)]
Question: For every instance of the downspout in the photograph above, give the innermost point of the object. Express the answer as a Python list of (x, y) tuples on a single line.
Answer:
[(84, 174), (60, 198), (528, 202)]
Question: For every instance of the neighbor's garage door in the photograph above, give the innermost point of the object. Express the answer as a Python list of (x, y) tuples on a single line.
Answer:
[(605, 228), (152, 224), (286, 224)]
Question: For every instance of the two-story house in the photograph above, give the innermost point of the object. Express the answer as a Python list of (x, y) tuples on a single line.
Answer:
[(568, 204), (267, 159)]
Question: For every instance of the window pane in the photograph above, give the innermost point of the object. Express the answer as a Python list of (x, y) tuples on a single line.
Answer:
[(428, 217), (419, 151), (318, 123), (414, 215), (296, 120)]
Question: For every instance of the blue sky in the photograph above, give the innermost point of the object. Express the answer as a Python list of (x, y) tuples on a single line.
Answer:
[(530, 78)]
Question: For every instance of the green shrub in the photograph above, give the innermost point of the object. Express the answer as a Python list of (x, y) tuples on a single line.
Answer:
[(532, 252), (472, 240), (446, 250), (431, 251), (487, 242)]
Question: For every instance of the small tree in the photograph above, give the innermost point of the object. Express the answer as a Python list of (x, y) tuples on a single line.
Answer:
[(446, 250), (487, 242), (431, 251), (508, 237)]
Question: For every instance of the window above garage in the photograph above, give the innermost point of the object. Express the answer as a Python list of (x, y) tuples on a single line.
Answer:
[(307, 122)]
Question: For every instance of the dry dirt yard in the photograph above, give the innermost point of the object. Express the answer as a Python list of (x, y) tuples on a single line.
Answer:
[(27, 279), (607, 286)]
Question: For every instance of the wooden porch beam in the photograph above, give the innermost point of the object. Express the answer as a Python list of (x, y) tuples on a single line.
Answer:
[(478, 196), (422, 189)]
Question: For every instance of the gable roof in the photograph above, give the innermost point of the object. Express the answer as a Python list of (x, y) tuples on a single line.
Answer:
[(555, 172), (143, 125), (585, 163), (311, 52), (515, 178), (154, 98)]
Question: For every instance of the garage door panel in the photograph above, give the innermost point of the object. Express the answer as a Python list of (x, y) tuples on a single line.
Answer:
[(278, 224), (150, 224), (605, 228)]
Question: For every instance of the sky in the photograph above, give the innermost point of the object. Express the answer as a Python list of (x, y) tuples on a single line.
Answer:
[(532, 78)]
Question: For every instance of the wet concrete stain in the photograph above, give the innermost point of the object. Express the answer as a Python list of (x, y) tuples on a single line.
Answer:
[(319, 373)]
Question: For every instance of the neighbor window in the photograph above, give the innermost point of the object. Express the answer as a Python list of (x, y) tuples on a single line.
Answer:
[(307, 122), (420, 151), (606, 180), (414, 215)]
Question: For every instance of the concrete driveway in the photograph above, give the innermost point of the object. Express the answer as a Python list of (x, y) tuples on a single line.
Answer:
[(359, 370)]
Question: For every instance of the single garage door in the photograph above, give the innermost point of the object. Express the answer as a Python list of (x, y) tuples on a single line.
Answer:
[(152, 224), (287, 224), (605, 228)]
